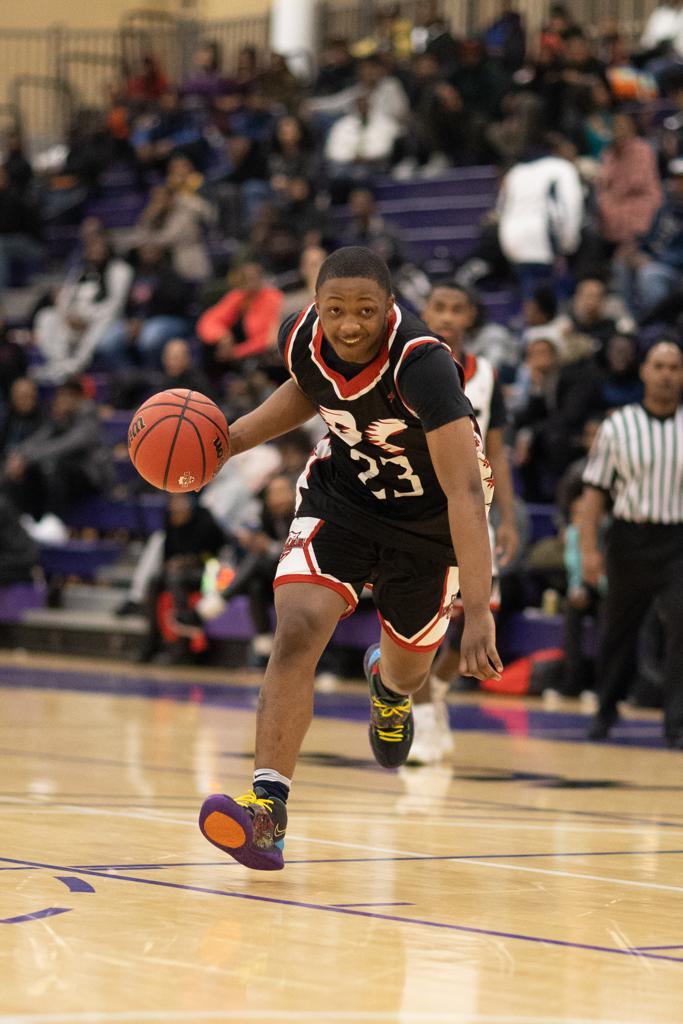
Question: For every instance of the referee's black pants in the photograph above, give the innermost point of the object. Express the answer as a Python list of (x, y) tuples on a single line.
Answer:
[(644, 561)]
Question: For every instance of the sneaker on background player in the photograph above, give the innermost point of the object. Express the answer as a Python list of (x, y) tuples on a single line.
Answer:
[(433, 740)]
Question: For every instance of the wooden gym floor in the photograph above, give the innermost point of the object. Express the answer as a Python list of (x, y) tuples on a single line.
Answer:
[(534, 880)]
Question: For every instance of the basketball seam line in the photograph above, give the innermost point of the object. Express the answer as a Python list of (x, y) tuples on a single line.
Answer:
[(181, 417), (190, 408)]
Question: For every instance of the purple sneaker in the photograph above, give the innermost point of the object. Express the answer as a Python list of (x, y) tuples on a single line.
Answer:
[(250, 828)]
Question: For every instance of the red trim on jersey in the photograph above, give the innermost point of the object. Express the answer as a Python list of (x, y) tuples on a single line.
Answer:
[(397, 639), (322, 581), (292, 334), (366, 378), (470, 366), (307, 544)]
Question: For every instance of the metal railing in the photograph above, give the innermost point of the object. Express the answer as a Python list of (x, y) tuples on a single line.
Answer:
[(81, 64)]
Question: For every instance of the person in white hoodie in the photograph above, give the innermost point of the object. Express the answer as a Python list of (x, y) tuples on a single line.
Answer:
[(540, 215)]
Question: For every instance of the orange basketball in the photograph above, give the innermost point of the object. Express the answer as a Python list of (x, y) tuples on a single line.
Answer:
[(178, 440)]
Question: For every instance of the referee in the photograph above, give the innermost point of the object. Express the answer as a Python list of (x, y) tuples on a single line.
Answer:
[(637, 458)]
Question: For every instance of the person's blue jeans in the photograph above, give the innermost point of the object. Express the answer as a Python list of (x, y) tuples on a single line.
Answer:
[(531, 276), (654, 282), (114, 351), (16, 248)]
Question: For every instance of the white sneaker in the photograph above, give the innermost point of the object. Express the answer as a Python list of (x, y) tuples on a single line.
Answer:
[(427, 737)]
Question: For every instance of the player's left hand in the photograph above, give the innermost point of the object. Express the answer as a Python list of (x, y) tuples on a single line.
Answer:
[(478, 655), (507, 543)]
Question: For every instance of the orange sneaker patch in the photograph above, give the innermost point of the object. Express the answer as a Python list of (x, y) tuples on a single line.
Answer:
[(225, 831)]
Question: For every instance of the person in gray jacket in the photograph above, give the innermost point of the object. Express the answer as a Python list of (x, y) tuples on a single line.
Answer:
[(64, 460)]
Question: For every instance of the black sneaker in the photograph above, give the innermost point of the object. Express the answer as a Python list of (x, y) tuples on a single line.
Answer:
[(601, 725), (251, 828), (391, 725)]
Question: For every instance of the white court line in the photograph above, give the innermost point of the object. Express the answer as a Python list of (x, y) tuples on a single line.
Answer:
[(396, 1016), (573, 874), (403, 853)]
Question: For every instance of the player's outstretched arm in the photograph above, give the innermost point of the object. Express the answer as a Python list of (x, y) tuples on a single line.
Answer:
[(286, 409), (453, 454)]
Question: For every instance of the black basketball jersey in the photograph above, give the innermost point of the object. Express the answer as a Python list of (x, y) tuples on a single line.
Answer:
[(373, 473)]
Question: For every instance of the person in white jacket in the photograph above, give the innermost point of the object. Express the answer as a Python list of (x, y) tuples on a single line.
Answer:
[(540, 215), (87, 303), (361, 139)]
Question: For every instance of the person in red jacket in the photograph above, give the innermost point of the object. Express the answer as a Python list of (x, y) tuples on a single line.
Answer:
[(244, 323)]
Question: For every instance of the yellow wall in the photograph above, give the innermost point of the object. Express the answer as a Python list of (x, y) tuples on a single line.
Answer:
[(107, 13)]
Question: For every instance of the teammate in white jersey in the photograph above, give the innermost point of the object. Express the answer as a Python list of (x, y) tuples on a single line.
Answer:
[(446, 313)]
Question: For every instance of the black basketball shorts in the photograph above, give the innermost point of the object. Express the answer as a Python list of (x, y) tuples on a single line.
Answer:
[(412, 595)]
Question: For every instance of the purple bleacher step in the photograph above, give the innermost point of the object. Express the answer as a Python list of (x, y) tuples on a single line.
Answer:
[(18, 598)]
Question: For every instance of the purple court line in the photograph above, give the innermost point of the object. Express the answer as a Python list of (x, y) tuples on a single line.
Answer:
[(48, 912), (343, 906), (394, 919), (374, 860), (74, 884), (645, 949)]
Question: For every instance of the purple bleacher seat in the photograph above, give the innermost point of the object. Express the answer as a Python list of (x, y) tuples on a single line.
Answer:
[(115, 427), (543, 521), (18, 598), (79, 557), (120, 211), (144, 514), (524, 632), (234, 623)]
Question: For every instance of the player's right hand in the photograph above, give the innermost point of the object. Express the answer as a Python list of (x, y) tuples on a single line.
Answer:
[(593, 566), (478, 655)]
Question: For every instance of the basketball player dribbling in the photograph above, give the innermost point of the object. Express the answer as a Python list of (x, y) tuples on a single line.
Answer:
[(397, 486)]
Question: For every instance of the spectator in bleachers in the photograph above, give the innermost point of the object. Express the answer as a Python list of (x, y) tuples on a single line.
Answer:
[(369, 228), (629, 190), (23, 417), (291, 154), (299, 213), (179, 371), (384, 93), (481, 83), (336, 69), (432, 35), (360, 144), (312, 258), (155, 312), (177, 220), (598, 386), (540, 212), (597, 124), (262, 544), (440, 126), (87, 303), (592, 312), (244, 324), (19, 230), (534, 407), (651, 269), (63, 460), (391, 36), (147, 83), (13, 362), (505, 37), (191, 536), (18, 552), (280, 85), (16, 163), (206, 82), (162, 130)]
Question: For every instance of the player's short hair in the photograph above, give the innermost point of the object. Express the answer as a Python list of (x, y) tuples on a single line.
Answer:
[(355, 261)]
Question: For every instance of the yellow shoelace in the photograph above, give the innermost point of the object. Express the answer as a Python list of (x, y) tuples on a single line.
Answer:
[(394, 734), (250, 799)]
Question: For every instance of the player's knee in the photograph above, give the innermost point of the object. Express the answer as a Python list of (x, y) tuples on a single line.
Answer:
[(296, 635)]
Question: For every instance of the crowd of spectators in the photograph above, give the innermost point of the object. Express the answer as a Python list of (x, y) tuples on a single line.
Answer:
[(244, 168)]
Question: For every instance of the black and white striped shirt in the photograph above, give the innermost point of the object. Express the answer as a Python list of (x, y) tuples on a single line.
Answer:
[(638, 457)]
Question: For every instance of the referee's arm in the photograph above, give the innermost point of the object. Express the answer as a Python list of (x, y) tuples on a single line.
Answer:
[(598, 477)]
